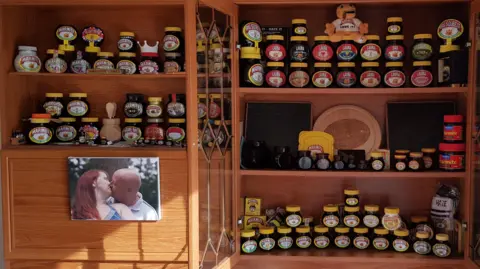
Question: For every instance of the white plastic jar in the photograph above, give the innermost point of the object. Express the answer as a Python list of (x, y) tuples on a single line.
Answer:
[(27, 60)]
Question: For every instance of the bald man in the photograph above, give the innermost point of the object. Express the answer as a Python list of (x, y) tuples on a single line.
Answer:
[(125, 186)]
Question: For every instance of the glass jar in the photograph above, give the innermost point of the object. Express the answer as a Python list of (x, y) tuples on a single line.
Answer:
[(346, 77), (53, 104), (66, 130), (442, 247), (400, 243), (90, 55), (127, 42), (321, 238), (370, 77), (415, 162), (371, 50), (371, 218), (27, 60), (429, 159), (293, 217), (394, 25), (347, 50), (105, 61), (89, 131), (299, 27), (215, 106), (377, 162), (400, 162), (299, 49), (330, 217), (127, 63), (283, 158), (69, 56), (422, 47), (285, 239), (275, 49), (394, 76), (173, 40), (445, 62), (451, 157), (202, 105), (174, 63), (133, 107), (421, 224), (361, 240), (394, 50), (175, 133), (248, 242), (149, 62), (422, 245), (422, 74), (322, 50), (322, 76), (338, 163), (380, 240), (299, 76), (250, 34), (453, 128), (351, 216), (251, 68), (154, 131), (391, 220), (342, 238), (155, 107), (303, 237), (275, 76), (93, 37), (40, 131), (266, 242), (78, 105), (176, 105), (351, 197), (304, 160), (66, 35), (322, 162), (132, 130), (56, 63)]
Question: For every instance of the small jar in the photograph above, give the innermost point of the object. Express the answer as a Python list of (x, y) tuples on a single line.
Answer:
[(370, 77), (56, 63), (400, 243), (175, 133), (174, 63), (415, 161), (53, 104), (421, 224), (422, 47), (371, 50), (400, 162), (442, 247), (391, 220), (338, 163), (377, 162), (132, 130), (330, 217), (275, 76), (40, 132), (299, 76), (299, 27), (342, 238), (90, 55), (322, 76), (266, 242), (78, 105), (155, 107), (322, 162), (453, 128), (89, 131), (66, 35), (66, 131), (176, 105), (361, 240), (299, 49), (351, 197), (127, 42), (351, 216), (422, 74), (293, 217), (394, 25), (27, 60), (304, 160), (451, 157), (394, 76), (251, 68), (322, 50), (321, 238), (283, 158), (346, 77), (93, 37), (149, 63), (173, 40), (429, 159), (347, 50), (371, 218), (275, 49), (104, 61), (380, 240), (285, 239), (202, 105), (248, 242), (394, 50), (127, 63), (422, 245), (133, 107), (154, 131), (303, 237), (215, 106)]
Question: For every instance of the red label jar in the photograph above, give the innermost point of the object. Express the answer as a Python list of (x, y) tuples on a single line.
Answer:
[(453, 127), (370, 77), (395, 50), (347, 50), (451, 157), (394, 76), (322, 76), (422, 74), (299, 77), (275, 50), (322, 50), (371, 50), (346, 77), (275, 76)]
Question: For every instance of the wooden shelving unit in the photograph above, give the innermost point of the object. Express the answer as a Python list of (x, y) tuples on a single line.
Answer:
[(179, 75), (340, 91), (353, 174)]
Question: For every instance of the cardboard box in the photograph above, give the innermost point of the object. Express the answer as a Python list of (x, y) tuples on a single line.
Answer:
[(253, 206), (250, 222)]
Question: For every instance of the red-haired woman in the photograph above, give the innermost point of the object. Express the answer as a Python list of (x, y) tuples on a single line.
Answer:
[(92, 191)]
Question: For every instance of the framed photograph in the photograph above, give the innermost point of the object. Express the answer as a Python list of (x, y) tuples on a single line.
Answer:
[(114, 188)]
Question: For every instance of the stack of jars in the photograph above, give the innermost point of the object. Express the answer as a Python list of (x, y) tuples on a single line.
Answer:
[(214, 111), (452, 150), (370, 53), (250, 36), (322, 53), (347, 53), (394, 76), (422, 52), (276, 54), (299, 75)]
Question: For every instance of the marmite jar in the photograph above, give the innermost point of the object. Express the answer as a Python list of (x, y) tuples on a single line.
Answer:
[(70, 54), (251, 68), (321, 237), (377, 162), (154, 131), (394, 25), (422, 245), (127, 63), (429, 159), (285, 239), (394, 50), (422, 47), (351, 216), (394, 76), (330, 217), (248, 242), (66, 131), (322, 50), (275, 50), (400, 162), (361, 240), (126, 42), (275, 76), (299, 49), (422, 74), (442, 247), (90, 55), (173, 63), (371, 218), (173, 40), (370, 76), (322, 77), (215, 106), (347, 50), (40, 132), (293, 217), (342, 237), (175, 133), (66, 35), (400, 243), (250, 34), (78, 105), (303, 237), (380, 240), (415, 162), (134, 107), (299, 27), (298, 76), (104, 61), (202, 105), (266, 242), (421, 224), (155, 107), (351, 197), (89, 131), (56, 63), (132, 130), (53, 104), (176, 105), (346, 77), (391, 220), (371, 50)]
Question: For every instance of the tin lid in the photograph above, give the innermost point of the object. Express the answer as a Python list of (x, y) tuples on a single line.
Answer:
[(453, 118), (395, 19), (346, 64), (40, 121), (372, 37), (422, 63), (370, 64), (391, 210), (429, 150), (172, 29), (323, 65), (53, 51), (351, 192), (380, 231), (67, 119), (342, 230), (394, 64), (376, 154), (127, 54), (89, 119), (78, 95), (133, 120), (416, 154), (442, 237), (176, 120), (54, 94), (401, 232), (292, 208), (298, 38), (422, 36), (320, 229), (275, 64), (372, 208), (402, 151), (330, 208), (351, 209), (250, 53), (215, 96), (447, 48), (132, 34), (284, 230), (275, 37), (105, 54), (299, 21), (422, 235), (247, 233), (301, 65), (41, 116), (303, 229), (322, 38), (267, 230), (23, 48), (400, 157), (202, 95), (360, 230), (451, 147), (155, 99), (394, 37)]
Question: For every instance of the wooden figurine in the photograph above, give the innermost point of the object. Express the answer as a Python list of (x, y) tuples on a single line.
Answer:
[(347, 24)]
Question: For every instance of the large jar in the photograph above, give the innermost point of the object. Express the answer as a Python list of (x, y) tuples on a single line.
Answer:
[(322, 49), (394, 50), (56, 63), (173, 40), (155, 107), (299, 49), (127, 42), (298, 76), (275, 76), (40, 132), (27, 60), (250, 34), (133, 107), (251, 68), (293, 217), (275, 50)]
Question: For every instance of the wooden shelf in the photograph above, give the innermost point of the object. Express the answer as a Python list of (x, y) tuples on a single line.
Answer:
[(352, 174), (90, 2), (315, 91), (179, 75), (323, 2)]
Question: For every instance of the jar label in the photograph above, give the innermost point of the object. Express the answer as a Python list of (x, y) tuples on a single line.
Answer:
[(255, 74), (380, 243), (391, 222), (148, 67), (170, 43), (267, 243), (153, 131), (422, 247), (249, 246), (276, 78), (361, 242), (394, 53), (321, 241), (171, 67), (77, 108), (252, 32), (300, 30), (377, 165), (133, 109), (298, 79), (400, 245), (40, 135), (422, 51), (450, 29), (413, 164), (304, 241), (323, 164), (322, 52), (441, 250), (421, 78), (285, 242), (299, 53), (293, 220), (127, 67), (200, 35), (275, 52), (394, 78), (305, 163), (131, 133), (370, 79), (30, 63), (53, 108), (214, 110), (351, 221), (202, 110), (65, 133), (322, 79), (371, 52), (342, 241), (451, 162), (371, 221), (346, 79), (351, 201), (56, 65), (80, 66), (90, 132), (400, 166), (175, 109), (125, 44), (346, 52), (331, 221), (175, 134), (92, 34), (103, 64), (428, 162), (453, 132), (394, 28), (154, 111), (66, 33)]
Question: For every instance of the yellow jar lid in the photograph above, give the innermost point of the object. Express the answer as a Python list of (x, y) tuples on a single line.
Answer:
[(346, 64), (380, 231), (299, 21), (52, 51), (89, 119), (67, 119), (176, 120), (322, 38), (447, 48), (172, 29), (320, 229), (416, 154), (360, 230), (429, 150), (298, 38), (217, 122), (78, 95), (66, 47), (284, 230), (418, 219), (303, 229), (395, 19), (267, 230), (352, 209), (372, 37), (215, 96), (347, 38), (127, 54), (250, 53), (400, 157), (54, 94), (301, 65), (92, 49), (422, 63), (323, 65), (394, 64), (372, 208), (155, 99), (370, 64), (40, 121), (247, 233), (275, 37), (275, 64), (342, 230), (391, 210), (422, 36), (105, 54), (292, 208), (202, 95), (402, 151), (394, 37), (351, 192), (401, 232), (218, 46), (133, 120), (422, 235), (442, 237), (330, 208), (127, 34), (376, 154)]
